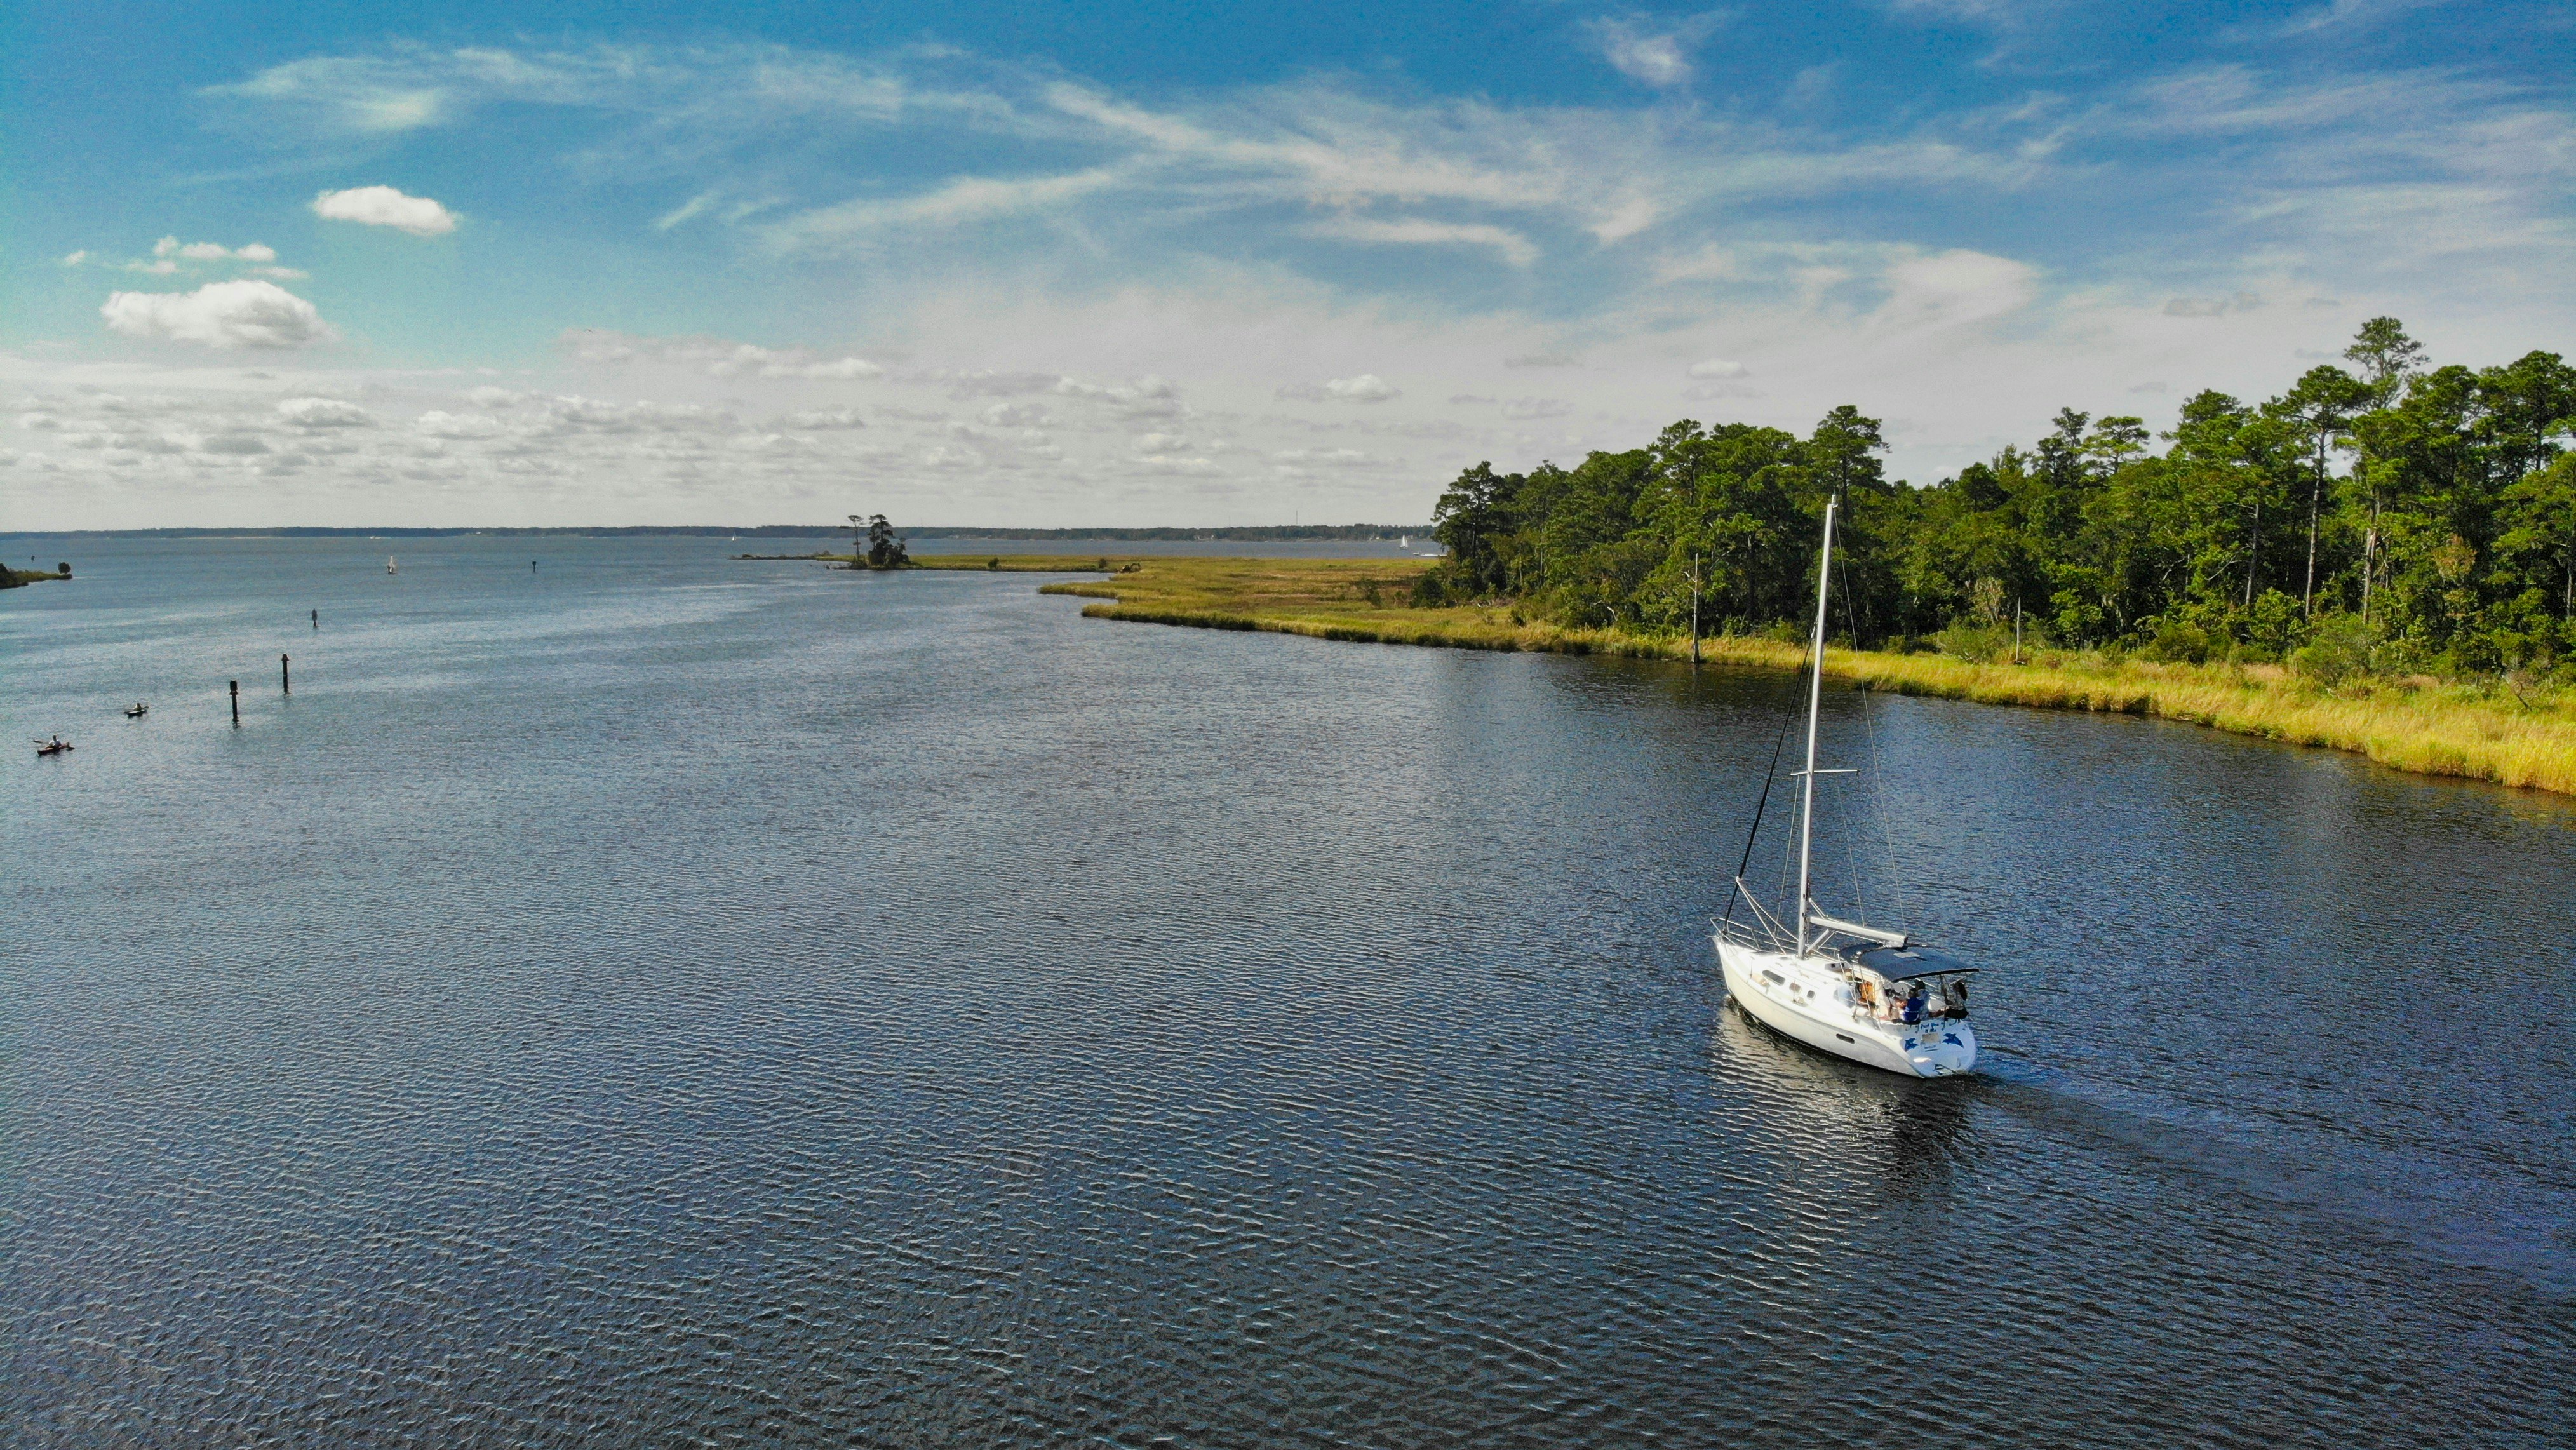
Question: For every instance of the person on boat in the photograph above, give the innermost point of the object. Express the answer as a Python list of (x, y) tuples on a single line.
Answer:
[(1867, 996), (1914, 1001), (1958, 994)]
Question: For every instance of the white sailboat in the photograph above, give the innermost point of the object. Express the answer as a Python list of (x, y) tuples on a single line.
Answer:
[(1860, 992), (389, 565)]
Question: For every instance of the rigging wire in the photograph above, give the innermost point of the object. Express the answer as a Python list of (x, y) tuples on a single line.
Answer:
[(1769, 774), (1899, 899)]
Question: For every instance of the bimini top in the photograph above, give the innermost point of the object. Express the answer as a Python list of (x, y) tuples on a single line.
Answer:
[(1904, 964)]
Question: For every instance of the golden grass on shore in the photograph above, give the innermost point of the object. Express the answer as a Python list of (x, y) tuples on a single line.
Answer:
[(2474, 731), (980, 563), (1022, 563)]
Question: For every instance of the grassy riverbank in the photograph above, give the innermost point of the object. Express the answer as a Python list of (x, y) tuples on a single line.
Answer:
[(2478, 731)]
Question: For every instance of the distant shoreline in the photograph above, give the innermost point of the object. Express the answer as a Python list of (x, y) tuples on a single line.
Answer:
[(1253, 533), (2474, 731)]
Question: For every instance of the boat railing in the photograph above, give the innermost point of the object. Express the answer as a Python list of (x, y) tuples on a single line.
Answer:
[(1763, 933)]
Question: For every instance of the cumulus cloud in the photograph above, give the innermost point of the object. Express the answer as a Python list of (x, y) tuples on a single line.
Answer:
[(75, 259), (1366, 388), (169, 247), (1147, 397), (219, 314), (1542, 360), (719, 357), (1717, 367), (324, 413), (823, 418), (1159, 443), (1017, 415), (383, 206), (439, 424)]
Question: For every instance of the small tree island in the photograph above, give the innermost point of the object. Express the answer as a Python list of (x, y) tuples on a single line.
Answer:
[(18, 578), (873, 544)]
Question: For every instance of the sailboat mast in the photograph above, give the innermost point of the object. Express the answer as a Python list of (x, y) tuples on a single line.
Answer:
[(1815, 702)]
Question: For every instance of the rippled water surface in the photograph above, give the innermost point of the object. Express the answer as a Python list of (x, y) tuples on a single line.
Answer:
[(652, 999)]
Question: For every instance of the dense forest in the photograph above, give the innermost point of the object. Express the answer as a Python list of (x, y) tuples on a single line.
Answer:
[(2389, 515)]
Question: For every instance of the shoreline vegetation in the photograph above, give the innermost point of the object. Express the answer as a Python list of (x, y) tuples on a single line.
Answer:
[(20, 578), (977, 563), (2488, 730), (1257, 533)]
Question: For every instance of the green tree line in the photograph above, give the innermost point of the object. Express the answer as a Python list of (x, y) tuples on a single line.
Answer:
[(2388, 513)]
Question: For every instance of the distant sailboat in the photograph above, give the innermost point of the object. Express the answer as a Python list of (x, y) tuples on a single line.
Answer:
[(390, 566), (1855, 991)]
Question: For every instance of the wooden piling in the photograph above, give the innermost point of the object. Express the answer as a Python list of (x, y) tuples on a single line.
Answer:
[(236, 704), (285, 682)]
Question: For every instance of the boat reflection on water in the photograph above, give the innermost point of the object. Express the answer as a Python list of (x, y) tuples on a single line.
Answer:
[(1896, 1139)]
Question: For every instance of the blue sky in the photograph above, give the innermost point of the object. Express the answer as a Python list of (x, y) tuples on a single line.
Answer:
[(1196, 264)]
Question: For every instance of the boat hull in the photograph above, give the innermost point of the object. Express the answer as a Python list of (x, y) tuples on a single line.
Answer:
[(1800, 1004)]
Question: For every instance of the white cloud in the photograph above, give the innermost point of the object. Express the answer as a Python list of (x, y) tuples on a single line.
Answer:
[(686, 210), (75, 259), (169, 247), (440, 424), (1159, 443), (1717, 367), (823, 418), (716, 356), (1304, 458), (1513, 247), (1366, 388), (1017, 415), (219, 314), (961, 202), (1656, 58), (383, 206), (324, 413)]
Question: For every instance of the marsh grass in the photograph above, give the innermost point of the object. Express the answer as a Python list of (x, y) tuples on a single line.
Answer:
[(2493, 732), (1023, 563)]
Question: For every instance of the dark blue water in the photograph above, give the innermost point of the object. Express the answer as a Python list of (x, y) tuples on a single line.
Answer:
[(652, 999)]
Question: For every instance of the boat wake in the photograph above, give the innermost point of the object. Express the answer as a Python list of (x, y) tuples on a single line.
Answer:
[(2518, 1229)]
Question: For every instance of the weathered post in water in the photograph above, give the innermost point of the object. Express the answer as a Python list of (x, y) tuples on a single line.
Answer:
[(317, 621), (236, 704), (285, 682)]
